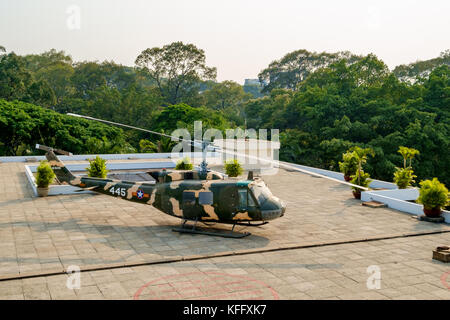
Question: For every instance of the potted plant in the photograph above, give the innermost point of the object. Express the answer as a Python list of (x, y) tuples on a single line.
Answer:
[(349, 165), (404, 177), (184, 164), (233, 168), (44, 178), (433, 195), (362, 179), (97, 168)]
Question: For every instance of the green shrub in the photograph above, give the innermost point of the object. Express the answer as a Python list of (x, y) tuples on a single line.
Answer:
[(45, 175), (433, 194), (362, 179), (97, 168), (349, 165), (404, 177), (184, 164), (233, 168)]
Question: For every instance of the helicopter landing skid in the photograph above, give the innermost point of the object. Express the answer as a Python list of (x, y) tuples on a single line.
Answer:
[(248, 224), (219, 233)]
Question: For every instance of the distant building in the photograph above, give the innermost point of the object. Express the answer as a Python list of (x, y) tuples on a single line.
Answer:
[(254, 87), (249, 82)]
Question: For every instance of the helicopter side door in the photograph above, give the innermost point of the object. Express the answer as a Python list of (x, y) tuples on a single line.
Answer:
[(227, 201), (246, 201), (191, 208)]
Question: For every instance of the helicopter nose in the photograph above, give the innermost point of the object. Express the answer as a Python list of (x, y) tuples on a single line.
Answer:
[(273, 209)]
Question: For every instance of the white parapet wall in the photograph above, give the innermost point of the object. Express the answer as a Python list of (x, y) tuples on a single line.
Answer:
[(398, 199), (123, 156), (393, 197), (375, 184), (67, 189)]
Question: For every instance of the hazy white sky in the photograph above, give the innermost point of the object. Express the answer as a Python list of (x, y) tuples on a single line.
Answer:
[(240, 37)]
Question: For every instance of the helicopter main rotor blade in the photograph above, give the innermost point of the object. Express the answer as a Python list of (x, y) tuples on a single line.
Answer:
[(192, 142), (127, 126)]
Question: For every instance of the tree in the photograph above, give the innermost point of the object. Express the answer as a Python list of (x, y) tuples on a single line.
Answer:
[(225, 94), (16, 127), (404, 177), (369, 71), (437, 93), (421, 69), (23, 125), (14, 78), (361, 155), (42, 94), (36, 62), (176, 68), (295, 66), (407, 154), (183, 116), (58, 76), (87, 77), (16, 82)]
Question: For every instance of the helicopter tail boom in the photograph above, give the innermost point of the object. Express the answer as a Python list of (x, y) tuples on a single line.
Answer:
[(59, 168)]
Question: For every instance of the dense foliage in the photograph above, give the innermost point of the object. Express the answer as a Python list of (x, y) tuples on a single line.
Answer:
[(23, 125), (361, 103), (323, 103)]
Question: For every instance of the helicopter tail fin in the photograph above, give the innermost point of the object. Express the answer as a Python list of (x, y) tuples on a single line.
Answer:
[(59, 168)]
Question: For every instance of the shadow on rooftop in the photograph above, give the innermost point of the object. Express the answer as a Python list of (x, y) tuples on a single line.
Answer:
[(130, 241)]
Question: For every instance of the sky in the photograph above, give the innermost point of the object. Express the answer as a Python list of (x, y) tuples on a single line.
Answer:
[(240, 37)]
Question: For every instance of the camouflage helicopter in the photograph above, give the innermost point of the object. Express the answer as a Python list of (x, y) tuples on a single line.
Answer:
[(192, 195), (200, 195)]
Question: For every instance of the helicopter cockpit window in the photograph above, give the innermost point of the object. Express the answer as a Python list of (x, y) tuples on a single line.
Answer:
[(189, 198), (205, 198), (243, 198), (251, 202)]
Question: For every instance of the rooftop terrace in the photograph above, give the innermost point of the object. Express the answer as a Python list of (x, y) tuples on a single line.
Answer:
[(321, 248)]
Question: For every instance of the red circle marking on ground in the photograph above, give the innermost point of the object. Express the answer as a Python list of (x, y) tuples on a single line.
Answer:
[(444, 279), (207, 285)]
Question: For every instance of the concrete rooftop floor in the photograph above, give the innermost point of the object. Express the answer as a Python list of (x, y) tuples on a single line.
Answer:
[(320, 249)]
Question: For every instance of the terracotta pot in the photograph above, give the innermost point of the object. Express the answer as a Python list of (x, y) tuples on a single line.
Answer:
[(433, 212), (347, 178), (357, 194), (42, 192)]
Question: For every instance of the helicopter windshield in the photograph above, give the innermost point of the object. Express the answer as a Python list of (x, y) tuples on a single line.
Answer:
[(261, 193)]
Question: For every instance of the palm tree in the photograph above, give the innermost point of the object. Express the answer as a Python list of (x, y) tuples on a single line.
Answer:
[(361, 155)]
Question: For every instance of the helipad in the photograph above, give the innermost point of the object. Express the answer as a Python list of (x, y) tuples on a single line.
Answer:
[(321, 248)]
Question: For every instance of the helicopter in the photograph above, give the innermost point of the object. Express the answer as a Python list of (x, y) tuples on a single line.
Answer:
[(199, 195), (189, 195)]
